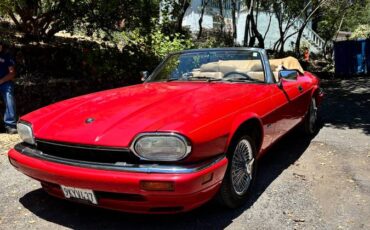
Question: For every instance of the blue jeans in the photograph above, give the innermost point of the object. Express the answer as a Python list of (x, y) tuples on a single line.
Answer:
[(7, 92)]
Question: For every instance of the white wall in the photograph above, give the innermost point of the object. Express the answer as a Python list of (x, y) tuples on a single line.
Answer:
[(192, 16)]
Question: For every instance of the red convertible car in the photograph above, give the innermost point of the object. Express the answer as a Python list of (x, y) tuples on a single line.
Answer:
[(192, 131)]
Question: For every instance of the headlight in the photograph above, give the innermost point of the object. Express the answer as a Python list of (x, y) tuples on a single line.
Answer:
[(26, 133), (161, 147)]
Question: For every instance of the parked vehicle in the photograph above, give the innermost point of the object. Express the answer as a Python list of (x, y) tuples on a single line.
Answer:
[(192, 131)]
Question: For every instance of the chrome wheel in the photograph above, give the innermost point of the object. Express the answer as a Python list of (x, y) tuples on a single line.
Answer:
[(313, 116), (242, 167)]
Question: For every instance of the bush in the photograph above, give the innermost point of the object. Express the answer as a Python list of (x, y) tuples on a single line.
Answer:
[(55, 71)]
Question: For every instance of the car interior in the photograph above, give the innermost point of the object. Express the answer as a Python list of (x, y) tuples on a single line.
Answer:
[(252, 68)]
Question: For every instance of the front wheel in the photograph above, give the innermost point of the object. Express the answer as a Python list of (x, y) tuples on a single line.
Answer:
[(240, 174)]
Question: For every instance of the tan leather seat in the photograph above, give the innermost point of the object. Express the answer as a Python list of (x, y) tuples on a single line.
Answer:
[(252, 68)]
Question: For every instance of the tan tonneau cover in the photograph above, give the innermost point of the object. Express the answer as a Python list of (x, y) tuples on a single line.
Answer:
[(288, 63)]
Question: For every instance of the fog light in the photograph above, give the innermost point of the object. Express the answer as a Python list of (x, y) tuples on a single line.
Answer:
[(157, 185)]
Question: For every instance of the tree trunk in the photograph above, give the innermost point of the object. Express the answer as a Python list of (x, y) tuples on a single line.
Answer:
[(247, 23), (185, 5), (221, 7), (268, 27), (233, 12), (298, 40), (281, 51), (204, 5), (246, 31), (147, 24), (257, 34)]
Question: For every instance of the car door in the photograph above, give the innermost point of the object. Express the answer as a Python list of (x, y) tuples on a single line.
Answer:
[(290, 98)]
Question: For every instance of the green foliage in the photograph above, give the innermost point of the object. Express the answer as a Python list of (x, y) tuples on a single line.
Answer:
[(156, 43), (358, 14), (304, 45), (362, 31), (162, 44), (209, 42)]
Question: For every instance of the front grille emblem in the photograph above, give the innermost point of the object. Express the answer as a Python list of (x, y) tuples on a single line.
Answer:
[(89, 120)]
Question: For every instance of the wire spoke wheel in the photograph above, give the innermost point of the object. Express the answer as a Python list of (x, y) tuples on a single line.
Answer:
[(240, 174), (242, 167)]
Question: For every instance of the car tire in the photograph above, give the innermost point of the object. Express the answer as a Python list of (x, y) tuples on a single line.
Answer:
[(310, 120), (240, 174)]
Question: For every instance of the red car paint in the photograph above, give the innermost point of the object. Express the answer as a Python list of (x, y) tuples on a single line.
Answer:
[(207, 113)]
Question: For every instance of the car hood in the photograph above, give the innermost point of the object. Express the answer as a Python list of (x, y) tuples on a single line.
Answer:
[(115, 117)]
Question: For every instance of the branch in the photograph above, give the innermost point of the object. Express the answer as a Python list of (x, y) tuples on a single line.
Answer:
[(12, 16)]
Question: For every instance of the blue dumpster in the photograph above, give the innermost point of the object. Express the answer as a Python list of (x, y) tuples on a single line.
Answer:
[(352, 57)]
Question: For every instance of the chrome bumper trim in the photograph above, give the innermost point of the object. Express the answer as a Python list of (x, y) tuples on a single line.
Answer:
[(120, 166)]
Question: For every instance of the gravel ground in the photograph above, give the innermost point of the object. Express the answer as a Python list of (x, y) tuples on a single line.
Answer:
[(323, 183)]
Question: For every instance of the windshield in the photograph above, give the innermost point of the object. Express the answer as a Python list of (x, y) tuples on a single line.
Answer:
[(233, 66)]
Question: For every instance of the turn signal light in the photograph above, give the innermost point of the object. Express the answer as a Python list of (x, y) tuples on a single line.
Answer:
[(157, 185), (207, 178)]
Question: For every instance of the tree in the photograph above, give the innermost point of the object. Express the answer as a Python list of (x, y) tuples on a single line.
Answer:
[(357, 14), (288, 12), (307, 14), (179, 11), (203, 7), (233, 17), (331, 19), (173, 13), (249, 4), (285, 12), (42, 19), (222, 18), (251, 28)]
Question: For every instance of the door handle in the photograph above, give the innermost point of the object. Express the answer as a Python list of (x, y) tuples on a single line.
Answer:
[(300, 88)]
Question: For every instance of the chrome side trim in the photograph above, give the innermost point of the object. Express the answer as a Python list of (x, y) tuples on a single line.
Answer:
[(120, 166)]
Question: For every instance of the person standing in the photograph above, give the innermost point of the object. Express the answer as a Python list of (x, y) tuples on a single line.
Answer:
[(306, 55), (306, 58), (7, 75)]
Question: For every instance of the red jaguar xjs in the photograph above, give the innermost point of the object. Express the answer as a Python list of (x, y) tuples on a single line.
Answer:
[(193, 131)]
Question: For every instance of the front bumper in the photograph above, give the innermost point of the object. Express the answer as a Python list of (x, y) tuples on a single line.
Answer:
[(118, 187)]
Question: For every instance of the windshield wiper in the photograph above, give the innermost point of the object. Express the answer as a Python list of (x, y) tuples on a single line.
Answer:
[(242, 80), (208, 79), (172, 79)]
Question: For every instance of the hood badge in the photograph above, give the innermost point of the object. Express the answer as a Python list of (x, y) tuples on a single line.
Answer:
[(89, 120)]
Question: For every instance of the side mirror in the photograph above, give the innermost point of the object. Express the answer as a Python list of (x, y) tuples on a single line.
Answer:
[(288, 74), (144, 75)]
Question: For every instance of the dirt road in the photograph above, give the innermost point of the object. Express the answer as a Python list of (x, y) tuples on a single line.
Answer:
[(323, 183)]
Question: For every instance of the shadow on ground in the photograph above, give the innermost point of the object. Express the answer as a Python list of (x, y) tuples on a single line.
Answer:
[(72, 215), (347, 103)]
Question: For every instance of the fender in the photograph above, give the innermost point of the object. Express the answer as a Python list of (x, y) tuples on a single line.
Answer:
[(241, 119)]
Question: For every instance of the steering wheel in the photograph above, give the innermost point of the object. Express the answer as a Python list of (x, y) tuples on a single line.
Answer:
[(230, 75)]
